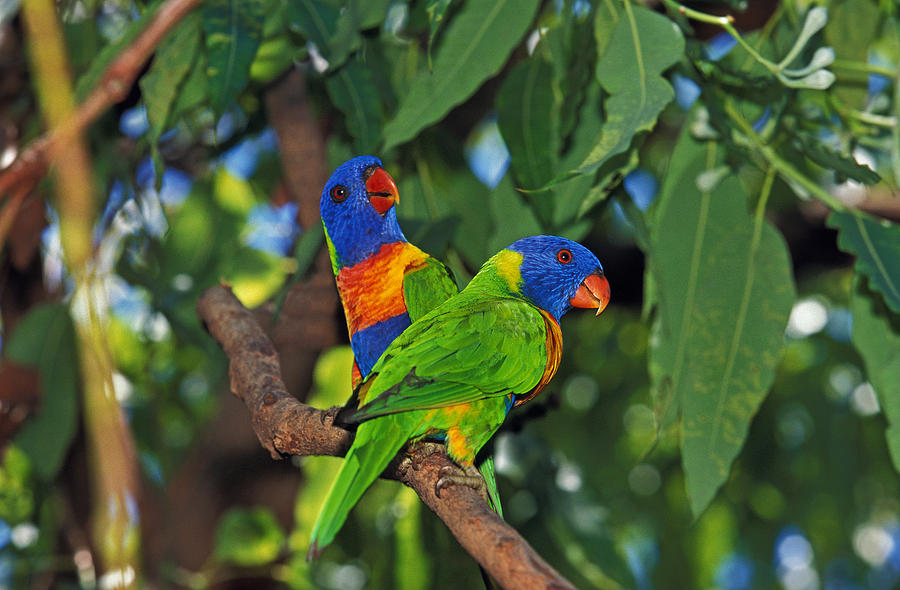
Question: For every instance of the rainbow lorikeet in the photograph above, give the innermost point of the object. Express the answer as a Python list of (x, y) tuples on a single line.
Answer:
[(384, 281), (457, 371)]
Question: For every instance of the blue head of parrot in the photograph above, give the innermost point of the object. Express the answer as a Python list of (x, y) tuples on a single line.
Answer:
[(357, 208), (558, 274)]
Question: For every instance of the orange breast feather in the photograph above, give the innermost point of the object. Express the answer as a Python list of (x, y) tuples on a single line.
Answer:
[(554, 355), (372, 291)]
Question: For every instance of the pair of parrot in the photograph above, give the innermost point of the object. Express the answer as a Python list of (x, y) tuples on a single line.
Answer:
[(430, 362)]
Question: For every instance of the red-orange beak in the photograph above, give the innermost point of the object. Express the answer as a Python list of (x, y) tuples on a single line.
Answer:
[(382, 191), (593, 292)]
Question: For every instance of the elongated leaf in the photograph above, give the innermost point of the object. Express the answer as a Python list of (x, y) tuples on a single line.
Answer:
[(466, 197), (642, 45), (233, 31), (876, 335), (571, 49), (353, 91), (314, 19), (725, 291), (568, 197), (436, 10), (513, 219), (844, 166), (162, 82), (45, 339), (333, 28), (528, 117), (194, 90), (852, 26), (474, 47), (876, 245), (88, 80), (455, 198)]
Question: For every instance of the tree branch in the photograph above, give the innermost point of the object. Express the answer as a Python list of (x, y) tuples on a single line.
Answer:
[(285, 426), (31, 165)]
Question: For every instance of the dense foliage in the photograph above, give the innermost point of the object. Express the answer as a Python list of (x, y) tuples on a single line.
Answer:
[(732, 420)]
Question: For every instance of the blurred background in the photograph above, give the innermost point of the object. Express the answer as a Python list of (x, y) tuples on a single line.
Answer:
[(200, 179)]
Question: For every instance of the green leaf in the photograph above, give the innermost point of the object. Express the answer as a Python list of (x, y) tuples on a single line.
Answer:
[(844, 166), (725, 291), (570, 46), (465, 196), (352, 90), (852, 26), (436, 10), (314, 19), (335, 29), (876, 245), (528, 108), (448, 199), (641, 46), (194, 90), (89, 80), (475, 46), (513, 218), (876, 335), (45, 339), (248, 537), (160, 85), (233, 30)]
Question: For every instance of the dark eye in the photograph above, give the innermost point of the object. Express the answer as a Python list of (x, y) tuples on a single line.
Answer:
[(339, 193), (564, 256)]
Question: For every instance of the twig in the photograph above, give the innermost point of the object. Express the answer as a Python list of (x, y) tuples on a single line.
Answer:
[(32, 163), (286, 426)]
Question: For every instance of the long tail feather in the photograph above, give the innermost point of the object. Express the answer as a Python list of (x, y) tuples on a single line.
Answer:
[(376, 443), (486, 467)]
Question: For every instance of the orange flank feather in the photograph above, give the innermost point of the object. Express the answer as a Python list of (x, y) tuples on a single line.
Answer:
[(554, 355), (372, 291)]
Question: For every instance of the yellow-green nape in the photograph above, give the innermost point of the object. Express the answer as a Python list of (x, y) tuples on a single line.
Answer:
[(508, 264), (332, 253)]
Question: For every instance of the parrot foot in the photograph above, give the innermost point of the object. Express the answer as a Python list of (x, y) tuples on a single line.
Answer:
[(422, 450), (451, 475)]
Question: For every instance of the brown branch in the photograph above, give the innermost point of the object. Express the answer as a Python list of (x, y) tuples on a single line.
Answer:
[(31, 165), (285, 426)]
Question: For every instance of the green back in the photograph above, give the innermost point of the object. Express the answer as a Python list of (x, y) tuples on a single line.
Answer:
[(426, 287), (460, 352)]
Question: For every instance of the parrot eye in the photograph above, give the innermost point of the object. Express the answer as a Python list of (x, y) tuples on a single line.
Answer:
[(564, 256), (339, 193)]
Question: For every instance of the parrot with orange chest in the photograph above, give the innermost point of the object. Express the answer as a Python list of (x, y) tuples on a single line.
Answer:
[(384, 282), (455, 373)]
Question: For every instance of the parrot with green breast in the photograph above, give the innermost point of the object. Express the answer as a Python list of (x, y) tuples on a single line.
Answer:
[(455, 373), (384, 282)]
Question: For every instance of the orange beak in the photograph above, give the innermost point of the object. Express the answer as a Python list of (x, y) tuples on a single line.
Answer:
[(382, 191), (593, 292)]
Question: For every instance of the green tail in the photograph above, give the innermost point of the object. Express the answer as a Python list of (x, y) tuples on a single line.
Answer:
[(487, 472), (377, 442)]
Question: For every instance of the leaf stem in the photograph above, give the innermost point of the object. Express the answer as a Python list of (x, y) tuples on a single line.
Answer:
[(783, 167), (727, 23)]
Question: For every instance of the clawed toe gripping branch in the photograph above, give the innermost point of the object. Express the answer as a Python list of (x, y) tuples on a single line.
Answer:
[(285, 426)]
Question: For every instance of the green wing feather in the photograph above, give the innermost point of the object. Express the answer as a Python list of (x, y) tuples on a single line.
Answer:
[(468, 349), (426, 287)]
